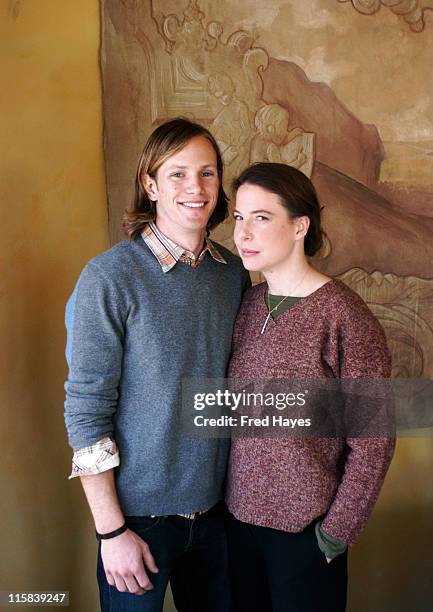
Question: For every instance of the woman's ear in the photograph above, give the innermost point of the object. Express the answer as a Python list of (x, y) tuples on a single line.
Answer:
[(301, 224), (150, 187)]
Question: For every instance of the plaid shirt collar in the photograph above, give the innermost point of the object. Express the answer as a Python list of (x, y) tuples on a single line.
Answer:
[(168, 253)]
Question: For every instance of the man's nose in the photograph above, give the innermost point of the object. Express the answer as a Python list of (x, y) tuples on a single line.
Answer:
[(195, 184)]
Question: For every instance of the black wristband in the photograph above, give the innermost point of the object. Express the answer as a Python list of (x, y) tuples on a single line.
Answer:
[(112, 534)]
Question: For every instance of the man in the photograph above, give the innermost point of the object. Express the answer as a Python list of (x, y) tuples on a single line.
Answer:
[(149, 312)]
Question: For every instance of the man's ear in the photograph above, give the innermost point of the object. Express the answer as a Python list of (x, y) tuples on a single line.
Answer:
[(150, 187)]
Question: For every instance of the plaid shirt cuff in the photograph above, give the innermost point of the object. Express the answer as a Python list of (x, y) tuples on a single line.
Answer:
[(100, 457)]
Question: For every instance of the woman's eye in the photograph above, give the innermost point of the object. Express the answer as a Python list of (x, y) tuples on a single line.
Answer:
[(207, 173), (261, 218), (237, 217), (177, 174)]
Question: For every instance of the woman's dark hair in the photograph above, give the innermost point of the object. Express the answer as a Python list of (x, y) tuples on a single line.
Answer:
[(167, 140), (296, 192)]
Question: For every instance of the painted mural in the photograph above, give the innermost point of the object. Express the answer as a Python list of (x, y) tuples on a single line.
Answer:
[(341, 90)]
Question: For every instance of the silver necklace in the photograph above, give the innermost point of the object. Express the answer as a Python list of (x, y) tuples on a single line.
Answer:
[(279, 303)]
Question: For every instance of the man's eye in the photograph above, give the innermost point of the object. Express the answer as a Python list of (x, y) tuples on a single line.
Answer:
[(177, 174), (207, 173)]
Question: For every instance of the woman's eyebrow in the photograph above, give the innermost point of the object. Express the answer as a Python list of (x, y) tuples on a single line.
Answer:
[(254, 212)]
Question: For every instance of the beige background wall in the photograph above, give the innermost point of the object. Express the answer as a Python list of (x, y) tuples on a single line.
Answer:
[(53, 219)]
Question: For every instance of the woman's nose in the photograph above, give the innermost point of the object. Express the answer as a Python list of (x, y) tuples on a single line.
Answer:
[(245, 232)]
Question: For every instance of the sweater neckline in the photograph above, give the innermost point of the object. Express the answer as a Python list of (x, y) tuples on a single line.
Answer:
[(299, 304)]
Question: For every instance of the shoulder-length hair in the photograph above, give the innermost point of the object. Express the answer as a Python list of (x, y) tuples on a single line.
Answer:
[(166, 140)]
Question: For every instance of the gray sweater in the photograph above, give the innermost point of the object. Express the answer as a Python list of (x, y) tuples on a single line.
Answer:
[(133, 334)]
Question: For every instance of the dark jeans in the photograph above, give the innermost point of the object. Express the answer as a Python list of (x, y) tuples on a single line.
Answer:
[(190, 554), (277, 571)]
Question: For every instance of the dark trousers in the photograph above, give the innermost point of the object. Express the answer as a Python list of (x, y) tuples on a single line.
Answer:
[(190, 554), (277, 571)]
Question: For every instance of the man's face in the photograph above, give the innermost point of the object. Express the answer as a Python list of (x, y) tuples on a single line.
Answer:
[(185, 189)]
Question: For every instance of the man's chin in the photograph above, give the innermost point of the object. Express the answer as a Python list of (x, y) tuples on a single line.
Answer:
[(194, 220), (199, 226)]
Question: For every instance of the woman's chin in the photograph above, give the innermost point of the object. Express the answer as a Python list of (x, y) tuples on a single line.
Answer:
[(250, 265)]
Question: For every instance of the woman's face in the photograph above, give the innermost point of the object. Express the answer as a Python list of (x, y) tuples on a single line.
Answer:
[(265, 236)]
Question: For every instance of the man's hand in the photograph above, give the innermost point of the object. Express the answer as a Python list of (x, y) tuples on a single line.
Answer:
[(125, 557), (125, 560)]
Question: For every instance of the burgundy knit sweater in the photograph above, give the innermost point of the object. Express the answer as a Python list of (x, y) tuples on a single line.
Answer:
[(286, 483)]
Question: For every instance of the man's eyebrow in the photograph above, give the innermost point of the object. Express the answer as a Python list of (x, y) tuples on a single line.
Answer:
[(180, 167)]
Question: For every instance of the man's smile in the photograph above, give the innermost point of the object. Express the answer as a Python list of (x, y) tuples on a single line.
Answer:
[(193, 204)]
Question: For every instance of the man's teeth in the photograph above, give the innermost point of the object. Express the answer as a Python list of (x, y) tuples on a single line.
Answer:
[(193, 204)]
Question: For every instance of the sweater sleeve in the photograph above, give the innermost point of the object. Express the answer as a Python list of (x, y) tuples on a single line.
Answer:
[(94, 350), (363, 353)]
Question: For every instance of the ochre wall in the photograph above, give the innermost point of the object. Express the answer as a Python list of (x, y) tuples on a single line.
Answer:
[(53, 219)]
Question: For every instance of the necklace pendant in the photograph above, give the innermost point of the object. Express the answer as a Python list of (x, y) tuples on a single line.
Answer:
[(265, 323)]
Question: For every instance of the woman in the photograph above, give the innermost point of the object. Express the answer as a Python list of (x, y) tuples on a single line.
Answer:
[(297, 502)]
